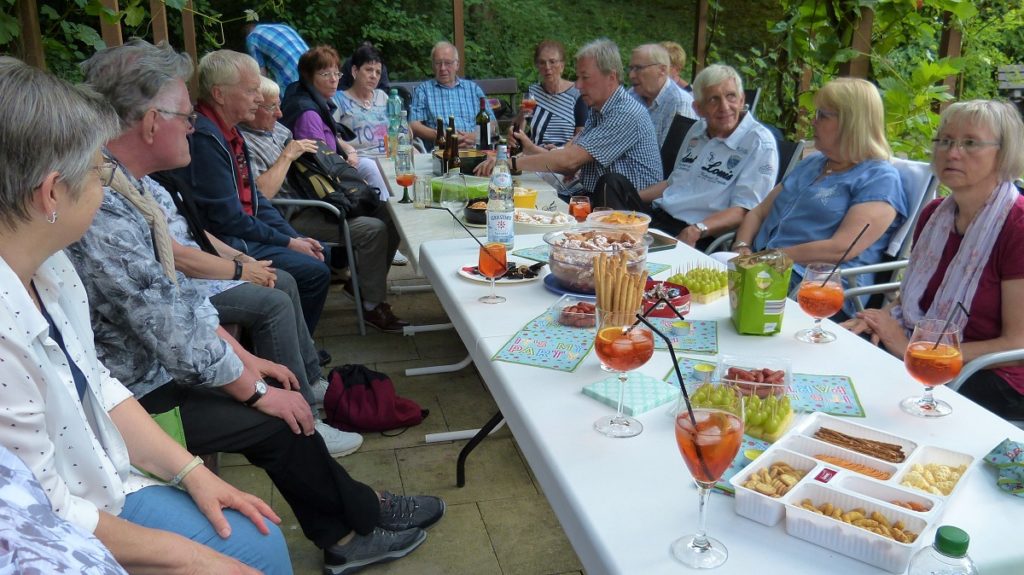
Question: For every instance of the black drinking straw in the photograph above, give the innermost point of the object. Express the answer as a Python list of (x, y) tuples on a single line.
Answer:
[(945, 328), (843, 257), (682, 386), (476, 239)]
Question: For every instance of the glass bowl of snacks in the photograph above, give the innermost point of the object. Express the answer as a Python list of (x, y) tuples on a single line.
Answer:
[(572, 254)]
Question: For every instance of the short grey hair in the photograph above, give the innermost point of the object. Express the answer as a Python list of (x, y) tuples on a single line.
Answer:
[(1005, 123), (714, 75), (656, 53), (269, 88), (46, 125), (133, 76), (605, 54), (443, 44), (223, 68)]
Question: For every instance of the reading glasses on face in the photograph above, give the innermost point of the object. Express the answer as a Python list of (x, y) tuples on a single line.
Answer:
[(967, 145)]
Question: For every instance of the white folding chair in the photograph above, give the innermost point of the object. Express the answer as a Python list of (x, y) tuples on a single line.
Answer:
[(346, 237), (919, 185)]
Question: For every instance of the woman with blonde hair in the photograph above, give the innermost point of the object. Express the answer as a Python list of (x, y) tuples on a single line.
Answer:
[(967, 249), (821, 206)]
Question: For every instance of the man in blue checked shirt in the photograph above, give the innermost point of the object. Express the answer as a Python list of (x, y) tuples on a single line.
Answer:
[(276, 48), (447, 95)]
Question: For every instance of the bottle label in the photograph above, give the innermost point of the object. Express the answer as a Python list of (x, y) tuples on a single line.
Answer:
[(500, 227), (501, 180)]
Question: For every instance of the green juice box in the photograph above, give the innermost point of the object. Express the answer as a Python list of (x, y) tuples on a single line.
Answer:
[(758, 286)]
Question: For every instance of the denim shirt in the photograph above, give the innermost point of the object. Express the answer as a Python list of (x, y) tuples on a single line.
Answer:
[(148, 330)]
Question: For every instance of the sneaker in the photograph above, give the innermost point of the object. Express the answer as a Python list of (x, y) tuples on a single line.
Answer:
[(320, 390), (399, 259), (339, 443), (382, 318), (398, 512), (377, 547)]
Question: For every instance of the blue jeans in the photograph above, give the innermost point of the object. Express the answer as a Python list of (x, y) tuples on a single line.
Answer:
[(312, 276), (170, 509)]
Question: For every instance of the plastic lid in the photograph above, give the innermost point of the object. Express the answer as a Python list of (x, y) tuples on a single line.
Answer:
[(394, 91), (952, 541)]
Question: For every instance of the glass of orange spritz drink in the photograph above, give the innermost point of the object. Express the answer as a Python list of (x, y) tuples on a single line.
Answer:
[(493, 264), (819, 299), (621, 347), (709, 432), (932, 358)]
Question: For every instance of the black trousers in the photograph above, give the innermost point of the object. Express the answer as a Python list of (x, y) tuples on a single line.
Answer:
[(326, 500), (993, 393), (618, 193)]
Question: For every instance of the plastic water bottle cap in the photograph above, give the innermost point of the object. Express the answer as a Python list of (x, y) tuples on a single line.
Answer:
[(952, 541)]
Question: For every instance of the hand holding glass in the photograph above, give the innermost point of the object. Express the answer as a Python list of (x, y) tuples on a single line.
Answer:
[(819, 299), (932, 358), (708, 439)]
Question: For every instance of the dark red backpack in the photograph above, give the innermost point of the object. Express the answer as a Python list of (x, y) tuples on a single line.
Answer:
[(360, 399)]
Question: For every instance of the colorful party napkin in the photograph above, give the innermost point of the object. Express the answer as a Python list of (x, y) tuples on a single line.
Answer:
[(701, 336), (642, 393), (1008, 458), (543, 342)]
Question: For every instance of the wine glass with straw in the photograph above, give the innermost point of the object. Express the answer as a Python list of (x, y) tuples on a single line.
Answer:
[(489, 254), (932, 358), (820, 295)]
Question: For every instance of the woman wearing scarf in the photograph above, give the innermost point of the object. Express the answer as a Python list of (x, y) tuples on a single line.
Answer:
[(968, 249)]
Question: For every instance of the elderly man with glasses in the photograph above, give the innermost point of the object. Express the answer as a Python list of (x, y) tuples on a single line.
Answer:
[(447, 95), (652, 87)]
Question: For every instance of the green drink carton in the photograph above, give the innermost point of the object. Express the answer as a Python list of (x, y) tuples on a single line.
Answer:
[(758, 286)]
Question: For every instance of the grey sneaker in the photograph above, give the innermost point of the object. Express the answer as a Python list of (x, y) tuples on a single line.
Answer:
[(377, 547), (319, 390), (398, 512), (339, 443), (399, 259)]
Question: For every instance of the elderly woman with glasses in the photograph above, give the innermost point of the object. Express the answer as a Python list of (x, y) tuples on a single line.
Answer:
[(308, 110), (363, 107), (823, 204), (560, 113), (79, 430), (967, 249)]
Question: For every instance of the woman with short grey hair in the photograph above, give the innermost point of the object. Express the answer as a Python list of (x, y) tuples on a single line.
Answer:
[(78, 429)]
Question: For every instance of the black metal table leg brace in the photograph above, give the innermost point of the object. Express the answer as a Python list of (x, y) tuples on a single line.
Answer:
[(460, 467)]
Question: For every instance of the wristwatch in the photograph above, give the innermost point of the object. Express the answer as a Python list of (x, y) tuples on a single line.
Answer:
[(261, 390), (701, 228)]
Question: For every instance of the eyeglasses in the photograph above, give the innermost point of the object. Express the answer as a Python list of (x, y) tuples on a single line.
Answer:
[(548, 62), (190, 118), (270, 108), (967, 145), (445, 63), (640, 67), (825, 114), (328, 74), (105, 170)]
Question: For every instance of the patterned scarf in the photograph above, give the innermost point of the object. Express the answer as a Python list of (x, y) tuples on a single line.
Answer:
[(153, 215), (964, 271)]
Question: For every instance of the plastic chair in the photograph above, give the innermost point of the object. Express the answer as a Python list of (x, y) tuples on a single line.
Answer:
[(346, 235), (673, 141), (752, 96), (919, 185), (984, 362)]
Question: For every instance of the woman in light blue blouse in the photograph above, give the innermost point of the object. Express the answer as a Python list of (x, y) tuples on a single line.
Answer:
[(821, 206), (363, 108)]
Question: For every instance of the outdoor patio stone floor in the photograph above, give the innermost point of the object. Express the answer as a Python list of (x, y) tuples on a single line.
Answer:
[(499, 523)]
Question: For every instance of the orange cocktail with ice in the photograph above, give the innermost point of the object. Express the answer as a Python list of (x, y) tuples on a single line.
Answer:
[(820, 295), (492, 264), (933, 358), (622, 349)]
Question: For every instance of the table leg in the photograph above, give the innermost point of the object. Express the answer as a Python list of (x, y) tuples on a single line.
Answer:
[(414, 329), (460, 466), (440, 368)]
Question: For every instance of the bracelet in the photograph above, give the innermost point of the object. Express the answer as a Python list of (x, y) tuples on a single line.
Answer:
[(738, 245), (238, 270), (177, 479)]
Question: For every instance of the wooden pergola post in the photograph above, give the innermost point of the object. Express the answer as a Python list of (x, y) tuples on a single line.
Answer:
[(950, 46), (459, 27), (859, 66), (31, 38), (158, 11), (111, 32), (699, 56), (188, 25)]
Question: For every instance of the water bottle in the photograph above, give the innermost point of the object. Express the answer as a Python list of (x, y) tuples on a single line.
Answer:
[(394, 117), (404, 136), (946, 556), (500, 209)]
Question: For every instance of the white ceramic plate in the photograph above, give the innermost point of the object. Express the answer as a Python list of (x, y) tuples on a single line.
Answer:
[(472, 276), (527, 228)]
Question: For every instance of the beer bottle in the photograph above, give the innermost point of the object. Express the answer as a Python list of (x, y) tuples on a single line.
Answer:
[(454, 162), (483, 122), (514, 149), (441, 145)]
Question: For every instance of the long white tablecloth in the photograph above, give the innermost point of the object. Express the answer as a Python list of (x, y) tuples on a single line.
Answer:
[(623, 501)]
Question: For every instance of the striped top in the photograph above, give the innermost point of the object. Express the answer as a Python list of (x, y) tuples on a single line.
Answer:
[(557, 116), (432, 100)]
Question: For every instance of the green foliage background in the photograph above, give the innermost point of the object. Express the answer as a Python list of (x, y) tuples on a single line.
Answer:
[(769, 42)]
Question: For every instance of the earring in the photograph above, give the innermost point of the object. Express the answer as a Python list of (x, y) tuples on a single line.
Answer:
[(53, 217)]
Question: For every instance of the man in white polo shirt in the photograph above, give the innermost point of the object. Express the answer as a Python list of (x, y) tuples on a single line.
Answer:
[(726, 166)]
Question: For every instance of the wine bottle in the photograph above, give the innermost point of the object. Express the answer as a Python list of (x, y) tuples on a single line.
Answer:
[(514, 149), (454, 162), (441, 145), (483, 122)]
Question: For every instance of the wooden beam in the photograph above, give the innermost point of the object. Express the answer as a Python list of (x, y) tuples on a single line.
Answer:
[(459, 33), (111, 32), (188, 25), (699, 58), (31, 38), (950, 47), (158, 11), (861, 42)]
